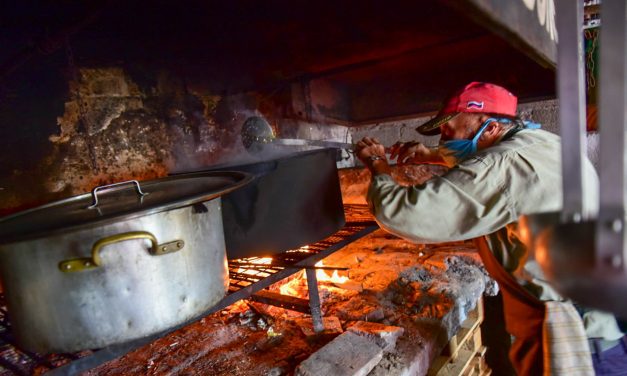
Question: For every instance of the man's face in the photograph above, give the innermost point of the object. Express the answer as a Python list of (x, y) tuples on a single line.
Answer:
[(462, 127)]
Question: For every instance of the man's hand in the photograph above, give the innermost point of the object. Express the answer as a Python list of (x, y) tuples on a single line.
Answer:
[(414, 153), (372, 154)]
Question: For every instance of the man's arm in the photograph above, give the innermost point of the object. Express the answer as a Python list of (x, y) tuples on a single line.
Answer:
[(415, 153), (372, 154), (463, 204)]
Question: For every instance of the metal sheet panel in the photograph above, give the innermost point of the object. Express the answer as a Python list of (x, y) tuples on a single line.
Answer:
[(613, 80), (527, 24), (571, 93)]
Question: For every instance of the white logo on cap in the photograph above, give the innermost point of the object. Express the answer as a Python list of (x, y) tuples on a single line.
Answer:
[(473, 104)]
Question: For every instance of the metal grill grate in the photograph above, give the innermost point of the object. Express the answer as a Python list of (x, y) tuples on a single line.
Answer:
[(16, 361), (248, 271), (247, 276)]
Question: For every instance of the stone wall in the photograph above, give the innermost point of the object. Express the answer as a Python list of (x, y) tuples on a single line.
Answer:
[(112, 130), (115, 126)]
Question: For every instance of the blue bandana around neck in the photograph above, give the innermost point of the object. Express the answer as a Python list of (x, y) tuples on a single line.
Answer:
[(455, 150)]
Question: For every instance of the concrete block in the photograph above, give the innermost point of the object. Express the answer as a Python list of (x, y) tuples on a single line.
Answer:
[(332, 327), (375, 315), (357, 309), (347, 355), (383, 335)]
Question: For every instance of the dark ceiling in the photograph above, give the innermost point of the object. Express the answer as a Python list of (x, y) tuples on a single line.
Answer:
[(388, 58)]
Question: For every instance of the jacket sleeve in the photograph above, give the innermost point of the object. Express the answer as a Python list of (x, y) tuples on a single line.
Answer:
[(463, 204)]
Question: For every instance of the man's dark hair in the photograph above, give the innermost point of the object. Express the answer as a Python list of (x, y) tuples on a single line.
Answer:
[(517, 122)]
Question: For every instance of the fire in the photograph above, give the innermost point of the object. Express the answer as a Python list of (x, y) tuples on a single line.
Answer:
[(289, 289), (324, 277), (257, 261), (238, 306), (303, 249), (263, 261), (298, 286)]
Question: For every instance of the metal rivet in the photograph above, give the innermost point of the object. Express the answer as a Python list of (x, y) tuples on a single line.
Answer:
[(163, 249), (616, 225), (68, 266), (87, 263), (179, 245), (615, 261)]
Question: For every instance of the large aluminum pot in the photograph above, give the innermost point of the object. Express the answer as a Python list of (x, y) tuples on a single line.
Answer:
[(79, 274), (294, 200)]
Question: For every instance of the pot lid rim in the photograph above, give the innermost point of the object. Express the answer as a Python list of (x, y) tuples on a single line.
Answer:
[(242, 179)]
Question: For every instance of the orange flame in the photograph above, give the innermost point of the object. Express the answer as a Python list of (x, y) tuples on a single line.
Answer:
[(260, 261), (287, 289), (324, 277), (295, 287), (303, 249)]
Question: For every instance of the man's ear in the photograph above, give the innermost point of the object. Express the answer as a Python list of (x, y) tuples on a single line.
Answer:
[(491, 132), (493, 128)]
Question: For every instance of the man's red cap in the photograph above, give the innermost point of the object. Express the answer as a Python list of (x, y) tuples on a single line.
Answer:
[(479, 97)]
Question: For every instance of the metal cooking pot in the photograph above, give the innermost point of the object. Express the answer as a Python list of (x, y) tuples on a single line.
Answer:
[(127, 261), (294, 200)]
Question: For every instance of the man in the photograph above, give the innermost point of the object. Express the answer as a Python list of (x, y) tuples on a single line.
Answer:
[(501, 168)]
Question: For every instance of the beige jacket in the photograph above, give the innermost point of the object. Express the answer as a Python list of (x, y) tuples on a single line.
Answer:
[(484, 196)]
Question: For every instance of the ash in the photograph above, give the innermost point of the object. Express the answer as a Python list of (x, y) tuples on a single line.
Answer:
[(465, 268)]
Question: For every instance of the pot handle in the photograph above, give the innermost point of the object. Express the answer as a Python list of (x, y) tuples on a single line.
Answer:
[(84, 263), (94, 192)]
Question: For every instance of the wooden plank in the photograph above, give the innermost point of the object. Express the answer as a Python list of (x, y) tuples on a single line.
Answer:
[(480, 310), (459, 365), (473, 367), (438, 365), (284, 301), (477, 365), (469, 328), (452, 347), (464, 353)]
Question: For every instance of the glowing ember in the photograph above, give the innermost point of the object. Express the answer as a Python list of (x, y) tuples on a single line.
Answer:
[(324, 277), (292, 289), (298, 286), (239, 306), (263, 261), (303, 249), (254, 260)]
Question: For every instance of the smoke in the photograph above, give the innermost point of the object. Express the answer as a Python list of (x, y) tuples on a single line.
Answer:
[(217, 143)]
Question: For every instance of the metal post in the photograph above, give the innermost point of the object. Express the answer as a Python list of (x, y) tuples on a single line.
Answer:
[(571, 94), (613, 70), (314, 300)]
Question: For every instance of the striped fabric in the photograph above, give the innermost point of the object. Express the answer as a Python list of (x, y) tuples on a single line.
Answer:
[(565, 345)]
